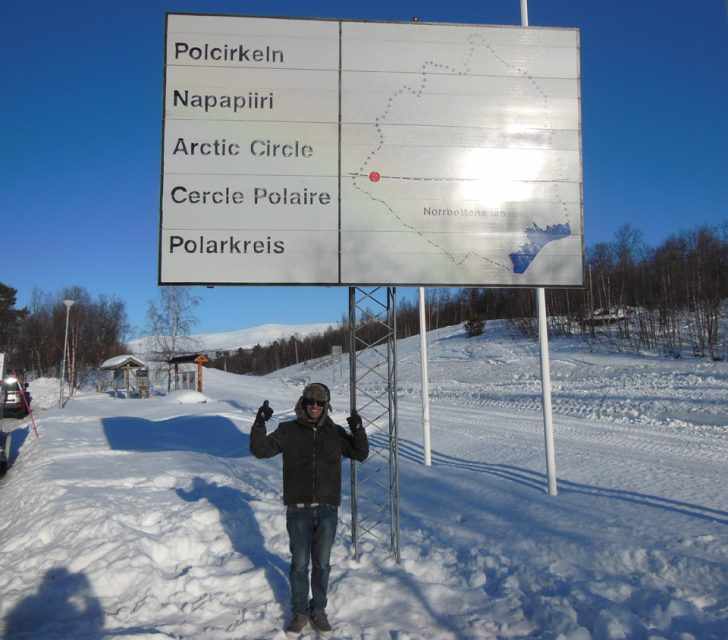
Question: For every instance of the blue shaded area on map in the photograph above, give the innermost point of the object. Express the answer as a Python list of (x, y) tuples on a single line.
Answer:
[(538, 238)]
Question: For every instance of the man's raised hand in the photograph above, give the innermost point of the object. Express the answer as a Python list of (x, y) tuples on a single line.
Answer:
[(264, 413), (354, 421)]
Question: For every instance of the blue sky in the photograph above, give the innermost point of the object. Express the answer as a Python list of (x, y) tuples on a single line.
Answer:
[(81, 110)]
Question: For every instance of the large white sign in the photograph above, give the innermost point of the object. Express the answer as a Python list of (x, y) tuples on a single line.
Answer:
[(328, 152)]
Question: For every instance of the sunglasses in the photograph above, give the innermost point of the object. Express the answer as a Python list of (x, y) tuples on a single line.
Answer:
[(307, 402)]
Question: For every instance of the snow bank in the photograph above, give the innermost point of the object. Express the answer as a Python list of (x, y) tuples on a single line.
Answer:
[(187, 397), (44, 392), (130, 518)]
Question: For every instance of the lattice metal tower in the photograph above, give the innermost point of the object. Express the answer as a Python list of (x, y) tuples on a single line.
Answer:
[(372, 388)]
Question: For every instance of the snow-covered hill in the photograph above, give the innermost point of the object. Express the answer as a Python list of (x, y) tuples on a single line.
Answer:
[(241, 339), (150, 519)]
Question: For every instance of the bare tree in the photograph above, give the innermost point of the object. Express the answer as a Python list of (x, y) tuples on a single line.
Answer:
[(170, 321), (97, 329)]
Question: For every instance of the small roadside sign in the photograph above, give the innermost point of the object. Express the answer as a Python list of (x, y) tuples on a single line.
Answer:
[(200, 361)]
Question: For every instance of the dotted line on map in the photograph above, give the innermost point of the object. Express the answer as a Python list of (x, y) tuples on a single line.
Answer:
[(417, 92)]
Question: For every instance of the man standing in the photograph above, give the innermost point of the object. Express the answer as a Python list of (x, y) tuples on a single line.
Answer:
[(312, 446)]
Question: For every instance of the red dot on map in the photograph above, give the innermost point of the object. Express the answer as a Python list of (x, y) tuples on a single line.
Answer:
[(375, 176)]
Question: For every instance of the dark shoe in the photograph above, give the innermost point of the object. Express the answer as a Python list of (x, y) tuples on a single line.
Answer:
[(297, 623), (319, 621)]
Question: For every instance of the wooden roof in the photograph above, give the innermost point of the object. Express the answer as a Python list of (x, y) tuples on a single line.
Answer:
[(184, 358)]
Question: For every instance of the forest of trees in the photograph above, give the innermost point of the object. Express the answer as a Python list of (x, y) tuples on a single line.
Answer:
[(32, 338), (666, 299)]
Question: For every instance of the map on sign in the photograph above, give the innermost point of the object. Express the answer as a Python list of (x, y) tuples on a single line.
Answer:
[(461, 147), (326, 152)]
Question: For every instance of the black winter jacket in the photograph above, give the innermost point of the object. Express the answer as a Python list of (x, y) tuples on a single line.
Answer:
[(311, 457)]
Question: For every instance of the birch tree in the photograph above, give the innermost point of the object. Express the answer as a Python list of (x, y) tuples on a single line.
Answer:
[(170, 321)]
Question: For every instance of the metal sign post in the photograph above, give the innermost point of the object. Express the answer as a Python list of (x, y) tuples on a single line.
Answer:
[(543, 341), (352, 409), (373, 377), (426, 436)]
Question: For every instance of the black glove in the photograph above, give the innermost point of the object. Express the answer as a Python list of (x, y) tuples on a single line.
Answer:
[(264, 413), (354, 421)]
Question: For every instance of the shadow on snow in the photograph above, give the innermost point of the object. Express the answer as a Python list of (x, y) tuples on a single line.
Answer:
[(213, 435), (238, 520), (64, 606), (536, 480)]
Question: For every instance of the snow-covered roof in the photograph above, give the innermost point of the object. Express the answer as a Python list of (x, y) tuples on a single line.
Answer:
[(117, 362)]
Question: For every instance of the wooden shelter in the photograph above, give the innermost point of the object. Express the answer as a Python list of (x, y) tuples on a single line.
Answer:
[(125, 368)]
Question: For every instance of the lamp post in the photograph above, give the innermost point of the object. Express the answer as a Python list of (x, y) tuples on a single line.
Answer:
[(69, 304)]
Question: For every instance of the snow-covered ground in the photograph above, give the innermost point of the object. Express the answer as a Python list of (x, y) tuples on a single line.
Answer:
[(241, 339), (150, 519)]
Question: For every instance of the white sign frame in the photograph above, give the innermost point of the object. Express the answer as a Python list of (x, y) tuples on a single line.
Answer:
[(337, 98)]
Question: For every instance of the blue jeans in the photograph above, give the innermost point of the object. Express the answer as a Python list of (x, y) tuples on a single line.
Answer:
[(311, 532)]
